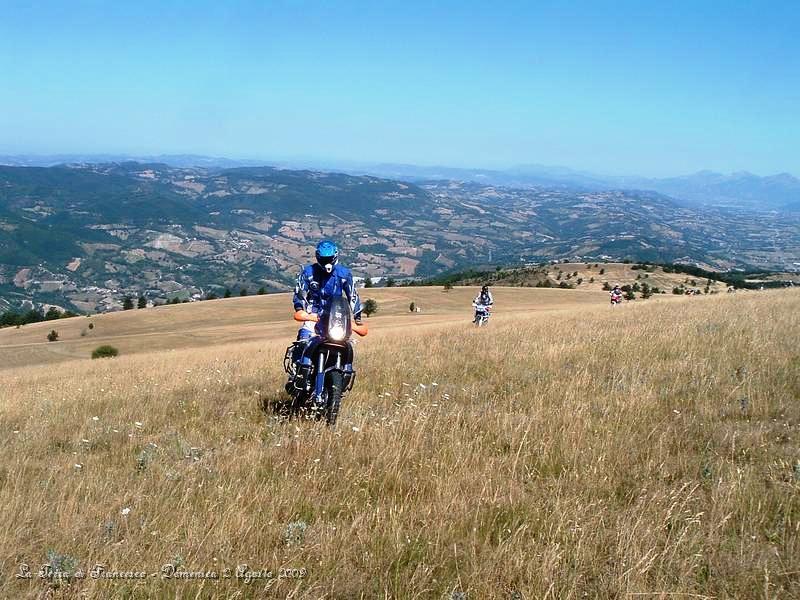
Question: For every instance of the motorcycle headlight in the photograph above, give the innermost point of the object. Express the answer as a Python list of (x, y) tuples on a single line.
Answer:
[(337, 333)]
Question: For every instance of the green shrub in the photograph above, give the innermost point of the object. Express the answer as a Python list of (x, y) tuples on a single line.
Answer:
[(52, 336), (370, 307), (105, 352)]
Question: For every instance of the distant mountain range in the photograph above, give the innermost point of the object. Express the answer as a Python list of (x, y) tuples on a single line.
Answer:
[(86, 235), (740, 190)]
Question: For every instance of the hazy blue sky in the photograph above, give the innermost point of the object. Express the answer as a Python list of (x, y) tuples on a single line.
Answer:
[(650, 87)]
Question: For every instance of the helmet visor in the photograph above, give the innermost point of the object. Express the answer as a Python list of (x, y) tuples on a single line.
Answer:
[(326, 260)]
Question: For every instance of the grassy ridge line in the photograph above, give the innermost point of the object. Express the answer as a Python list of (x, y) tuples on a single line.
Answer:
[(644, 450), (257, 318)]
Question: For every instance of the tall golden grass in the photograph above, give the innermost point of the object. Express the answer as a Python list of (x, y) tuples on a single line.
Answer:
[(649, 451)]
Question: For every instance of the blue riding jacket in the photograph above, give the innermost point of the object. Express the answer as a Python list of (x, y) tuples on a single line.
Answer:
[(315, 288)]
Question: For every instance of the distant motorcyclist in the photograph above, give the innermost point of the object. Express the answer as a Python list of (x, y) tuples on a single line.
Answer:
[(484, 298), (616, 295), (482, 303), (316, 285)]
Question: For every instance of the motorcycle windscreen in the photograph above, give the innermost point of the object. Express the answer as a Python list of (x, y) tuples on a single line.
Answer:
[(338, 326)]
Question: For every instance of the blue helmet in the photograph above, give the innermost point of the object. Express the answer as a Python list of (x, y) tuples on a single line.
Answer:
[(327, 254)]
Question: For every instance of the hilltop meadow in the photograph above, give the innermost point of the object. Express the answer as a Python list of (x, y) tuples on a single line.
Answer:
[(568, 450)]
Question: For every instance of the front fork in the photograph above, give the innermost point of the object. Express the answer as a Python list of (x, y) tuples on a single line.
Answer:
[(322, 359)]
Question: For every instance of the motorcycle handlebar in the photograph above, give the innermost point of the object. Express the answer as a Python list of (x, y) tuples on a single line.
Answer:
[(303, 317)]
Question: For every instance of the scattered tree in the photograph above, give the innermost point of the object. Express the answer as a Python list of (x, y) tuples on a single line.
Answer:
[(370, 307), (142, 302), (368, 282), (243, 292), (52, 314), (227, 293), (390, 282), (127, 303), (602, 271), (412, 307), (262, 290), (52, 336)]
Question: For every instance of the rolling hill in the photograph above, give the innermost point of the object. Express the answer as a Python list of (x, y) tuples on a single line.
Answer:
[(256, 318), (84, 236)]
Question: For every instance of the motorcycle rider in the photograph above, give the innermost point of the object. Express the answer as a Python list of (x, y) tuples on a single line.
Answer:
[(316, 284), (616, 294), (483, 299)]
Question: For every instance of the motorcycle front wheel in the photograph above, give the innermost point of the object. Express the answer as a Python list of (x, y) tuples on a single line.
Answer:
[(334, 385)]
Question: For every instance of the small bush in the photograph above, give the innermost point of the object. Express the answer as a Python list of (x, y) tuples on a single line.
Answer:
[(370, 307), (105, 352), (91, 325), (52, 336), (412, 307)]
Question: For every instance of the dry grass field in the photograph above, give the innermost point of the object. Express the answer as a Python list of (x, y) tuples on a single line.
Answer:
[(566, 451), (255, 318)]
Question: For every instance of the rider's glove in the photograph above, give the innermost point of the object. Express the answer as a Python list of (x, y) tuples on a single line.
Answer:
[(358, 320)]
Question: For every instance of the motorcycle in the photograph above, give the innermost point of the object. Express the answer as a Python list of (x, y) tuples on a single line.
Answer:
[(616, 299), (482, 313), (325, 372)]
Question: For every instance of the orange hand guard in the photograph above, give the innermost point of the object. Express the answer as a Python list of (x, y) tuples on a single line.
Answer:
[(361, 330)]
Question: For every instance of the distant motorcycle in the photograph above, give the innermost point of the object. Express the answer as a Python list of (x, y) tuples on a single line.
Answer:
[(482, 313), (317, 386), (616, 299)]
